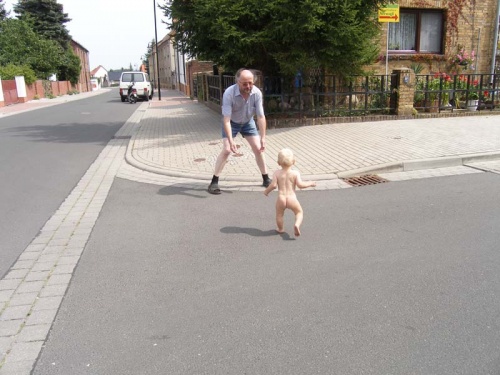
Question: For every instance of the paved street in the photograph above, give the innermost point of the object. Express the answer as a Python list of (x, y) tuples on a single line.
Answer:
[(174, 143)]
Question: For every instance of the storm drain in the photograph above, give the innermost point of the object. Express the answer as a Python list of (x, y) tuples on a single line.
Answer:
[(369, 179)]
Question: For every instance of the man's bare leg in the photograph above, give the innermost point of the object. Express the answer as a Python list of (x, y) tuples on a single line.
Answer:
[(222, 158), (221, 161), (254, 142)]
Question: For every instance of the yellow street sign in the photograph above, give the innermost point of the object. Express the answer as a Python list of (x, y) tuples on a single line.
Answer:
[(390, 13)]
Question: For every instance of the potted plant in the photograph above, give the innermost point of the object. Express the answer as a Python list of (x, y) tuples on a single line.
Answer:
[(472, 100), (485, 102), (438, 88), (463, 58)]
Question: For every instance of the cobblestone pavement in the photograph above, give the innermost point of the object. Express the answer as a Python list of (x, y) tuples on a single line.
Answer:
[(180, 138), (33, 289), (175, 142)]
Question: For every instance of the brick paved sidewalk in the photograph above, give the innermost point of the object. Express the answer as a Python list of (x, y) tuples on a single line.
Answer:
[(181, 137)]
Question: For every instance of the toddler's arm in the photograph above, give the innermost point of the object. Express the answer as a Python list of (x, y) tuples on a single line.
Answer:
[(304, 184)]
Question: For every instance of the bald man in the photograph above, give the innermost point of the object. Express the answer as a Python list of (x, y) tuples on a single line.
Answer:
[(240, 103)]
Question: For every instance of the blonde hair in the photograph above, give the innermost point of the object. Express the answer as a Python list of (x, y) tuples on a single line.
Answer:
[(286, 158)]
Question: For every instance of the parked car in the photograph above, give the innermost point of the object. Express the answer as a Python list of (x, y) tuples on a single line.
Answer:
[(141, 84)]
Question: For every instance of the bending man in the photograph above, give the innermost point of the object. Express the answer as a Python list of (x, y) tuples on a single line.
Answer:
[(240, 103)]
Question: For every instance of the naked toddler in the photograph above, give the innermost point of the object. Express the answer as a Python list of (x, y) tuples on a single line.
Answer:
[(286, 180)]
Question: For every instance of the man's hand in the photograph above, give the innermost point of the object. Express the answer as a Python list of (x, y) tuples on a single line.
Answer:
[(232, 146), (262, 144)]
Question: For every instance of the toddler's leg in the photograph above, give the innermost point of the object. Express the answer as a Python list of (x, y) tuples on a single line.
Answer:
[(280, 213), (295, 206)]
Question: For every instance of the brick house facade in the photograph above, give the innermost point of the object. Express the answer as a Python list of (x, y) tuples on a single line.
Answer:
[(83, 84), (471, 27), (166, 62)]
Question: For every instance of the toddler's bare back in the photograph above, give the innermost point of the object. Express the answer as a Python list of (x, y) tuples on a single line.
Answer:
[(287, 182)]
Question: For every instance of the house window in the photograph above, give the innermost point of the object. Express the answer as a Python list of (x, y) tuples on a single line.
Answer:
[(418, 30)]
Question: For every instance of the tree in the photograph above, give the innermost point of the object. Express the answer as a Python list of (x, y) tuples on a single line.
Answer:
[(278, 36), (3, 12), (47, 19), (70, 67), (149, 52), (20, 45)]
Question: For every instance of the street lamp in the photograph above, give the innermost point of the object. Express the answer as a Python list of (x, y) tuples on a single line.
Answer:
[(156, 42)]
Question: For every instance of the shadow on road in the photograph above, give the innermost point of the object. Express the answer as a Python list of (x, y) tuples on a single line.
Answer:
[(254, 232), (189, 192)]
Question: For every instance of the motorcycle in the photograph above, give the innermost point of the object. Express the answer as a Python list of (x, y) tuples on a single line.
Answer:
[(132, 94)]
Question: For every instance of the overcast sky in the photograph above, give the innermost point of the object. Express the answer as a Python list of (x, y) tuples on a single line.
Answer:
[(115, 32)]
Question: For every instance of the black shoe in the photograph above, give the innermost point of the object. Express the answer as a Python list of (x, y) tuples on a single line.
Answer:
[(214, 189), (267, 182)]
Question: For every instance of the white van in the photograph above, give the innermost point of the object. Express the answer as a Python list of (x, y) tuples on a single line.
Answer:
[(141, 84)]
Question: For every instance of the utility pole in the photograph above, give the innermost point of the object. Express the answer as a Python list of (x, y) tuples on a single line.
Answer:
[(157, 63)]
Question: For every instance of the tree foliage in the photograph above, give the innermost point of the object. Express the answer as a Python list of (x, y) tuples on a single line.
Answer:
[(20, 45), (10, 71), (46, 17), (70, 67), (278, 36)]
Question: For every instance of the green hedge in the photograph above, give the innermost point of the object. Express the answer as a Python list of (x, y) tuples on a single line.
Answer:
[(10, 71)]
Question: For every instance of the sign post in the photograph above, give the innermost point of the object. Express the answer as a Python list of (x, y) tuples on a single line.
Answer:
[(390, 13)]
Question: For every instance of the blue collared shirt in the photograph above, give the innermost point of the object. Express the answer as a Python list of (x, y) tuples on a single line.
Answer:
[(240, 110)]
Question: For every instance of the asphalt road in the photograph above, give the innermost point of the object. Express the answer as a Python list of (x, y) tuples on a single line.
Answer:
[(44, 154), (397, 278)]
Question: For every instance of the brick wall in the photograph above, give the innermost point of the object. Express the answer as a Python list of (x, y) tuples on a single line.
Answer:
[(192, 68), (34, 90), (9, 92)]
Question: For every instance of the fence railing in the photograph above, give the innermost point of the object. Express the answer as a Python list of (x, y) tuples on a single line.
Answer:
[(441, 92), (330, 96)]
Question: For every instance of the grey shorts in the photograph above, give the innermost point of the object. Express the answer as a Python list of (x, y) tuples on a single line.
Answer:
[(247, 130)]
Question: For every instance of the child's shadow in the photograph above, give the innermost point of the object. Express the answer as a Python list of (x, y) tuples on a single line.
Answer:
[(256, 232)]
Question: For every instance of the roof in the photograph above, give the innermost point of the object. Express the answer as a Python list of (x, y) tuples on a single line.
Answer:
[(94, 71), (79, 45)]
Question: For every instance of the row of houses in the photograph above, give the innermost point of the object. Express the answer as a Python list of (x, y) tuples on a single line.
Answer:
[(170, 69), (428, 34)]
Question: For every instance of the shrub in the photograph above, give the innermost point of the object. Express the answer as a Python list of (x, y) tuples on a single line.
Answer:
[(10, 71)]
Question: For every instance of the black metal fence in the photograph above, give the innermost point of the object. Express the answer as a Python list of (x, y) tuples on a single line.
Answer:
[(331, 96), (441, 92)]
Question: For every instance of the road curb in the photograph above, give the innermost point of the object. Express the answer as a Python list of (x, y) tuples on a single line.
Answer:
[(430, 163)]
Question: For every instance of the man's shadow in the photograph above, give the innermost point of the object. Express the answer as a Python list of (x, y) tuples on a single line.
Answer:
[(254, 232), (187, 191)]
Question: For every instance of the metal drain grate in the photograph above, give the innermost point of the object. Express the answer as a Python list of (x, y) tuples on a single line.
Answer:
[(369, 179)]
